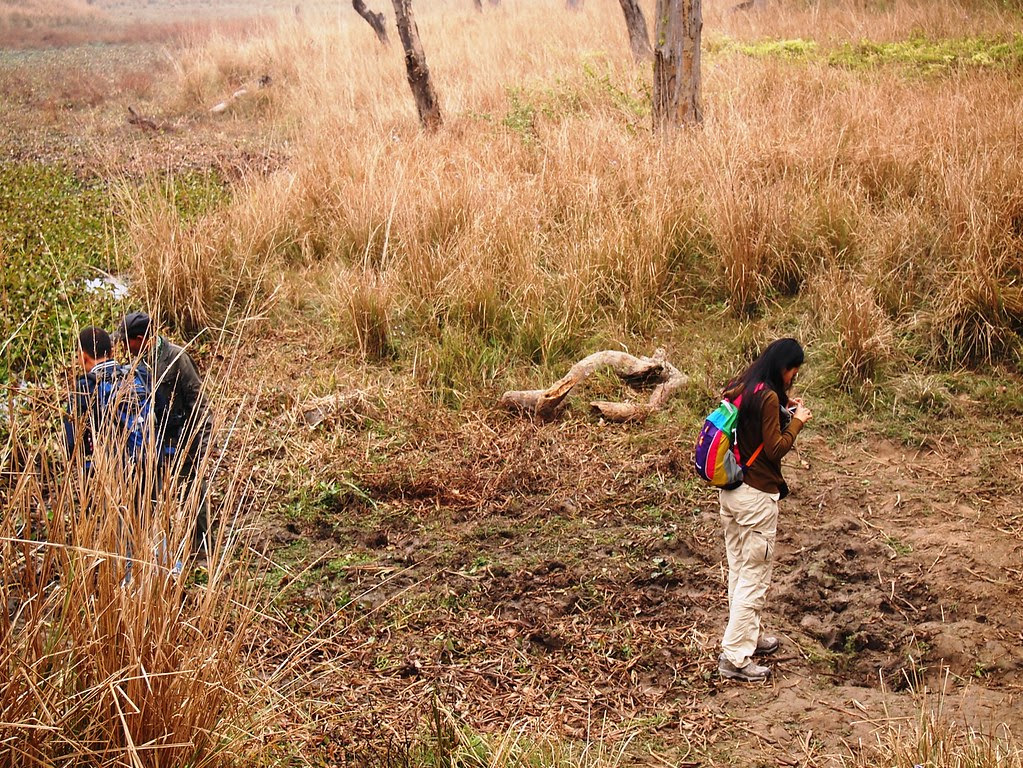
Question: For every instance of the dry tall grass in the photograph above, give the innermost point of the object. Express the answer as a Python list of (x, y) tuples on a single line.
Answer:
[(545, 214), (106, 665), (28, 12), (45, 21), (862, 331), (934, 737)]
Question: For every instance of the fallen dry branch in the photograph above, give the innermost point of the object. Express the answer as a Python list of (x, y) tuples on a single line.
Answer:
[(264, 82), (134, 118), (548, 404), (339, 408)]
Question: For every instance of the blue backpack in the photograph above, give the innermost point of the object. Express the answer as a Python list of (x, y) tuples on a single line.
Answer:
[(134, 410), (123, 394)]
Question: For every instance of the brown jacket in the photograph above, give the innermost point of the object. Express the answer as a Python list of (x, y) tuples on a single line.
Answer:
[(765, 472)]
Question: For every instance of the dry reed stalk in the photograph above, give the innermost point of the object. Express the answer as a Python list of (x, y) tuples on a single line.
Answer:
[(107, 664)]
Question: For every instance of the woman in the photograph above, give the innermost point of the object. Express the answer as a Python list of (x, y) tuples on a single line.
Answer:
[(769, 421)]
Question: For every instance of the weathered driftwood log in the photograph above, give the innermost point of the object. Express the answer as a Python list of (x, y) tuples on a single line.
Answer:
[(264, 82), (548, 404)]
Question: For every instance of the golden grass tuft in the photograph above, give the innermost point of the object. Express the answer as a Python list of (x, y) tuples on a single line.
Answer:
[(933, 737), (366, 311), (863, 332), (197, 271)]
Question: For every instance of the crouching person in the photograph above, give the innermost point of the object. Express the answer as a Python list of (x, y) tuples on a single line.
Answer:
[(182, 418)]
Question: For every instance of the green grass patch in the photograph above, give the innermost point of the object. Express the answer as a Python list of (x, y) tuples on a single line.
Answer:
[(919, 53), (795, 49), (931, 55), (602, 87), (195, 193), (56, 232)]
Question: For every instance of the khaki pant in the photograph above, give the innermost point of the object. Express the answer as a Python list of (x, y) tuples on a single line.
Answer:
[(750, 519)]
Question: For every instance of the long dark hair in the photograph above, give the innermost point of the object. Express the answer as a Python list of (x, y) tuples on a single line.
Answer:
[(780, 356)]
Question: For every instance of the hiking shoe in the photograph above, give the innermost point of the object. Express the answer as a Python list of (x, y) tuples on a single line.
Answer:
[(767, 645), (751, 673)]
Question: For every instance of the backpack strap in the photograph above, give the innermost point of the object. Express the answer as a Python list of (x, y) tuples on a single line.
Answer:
[(753, 458)]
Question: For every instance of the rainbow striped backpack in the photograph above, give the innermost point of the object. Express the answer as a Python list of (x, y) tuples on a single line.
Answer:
[(717, 449)]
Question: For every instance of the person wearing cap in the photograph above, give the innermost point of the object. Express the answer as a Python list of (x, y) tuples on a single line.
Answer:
[(181, 414)]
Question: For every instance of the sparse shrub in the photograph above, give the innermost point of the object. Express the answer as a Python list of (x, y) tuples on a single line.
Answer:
[(366, 308), (862, 332)]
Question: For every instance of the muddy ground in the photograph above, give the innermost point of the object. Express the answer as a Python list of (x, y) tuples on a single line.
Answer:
[(570, 578)]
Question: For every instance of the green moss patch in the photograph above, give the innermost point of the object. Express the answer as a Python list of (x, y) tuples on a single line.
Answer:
[(918, 53)]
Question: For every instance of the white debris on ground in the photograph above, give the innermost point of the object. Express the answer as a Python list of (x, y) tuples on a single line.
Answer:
[(109, 285)]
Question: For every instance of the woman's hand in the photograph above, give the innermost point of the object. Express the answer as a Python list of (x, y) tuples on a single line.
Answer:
[(802, 413)]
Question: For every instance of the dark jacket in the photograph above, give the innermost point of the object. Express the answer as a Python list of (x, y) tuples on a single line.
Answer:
[(765, 472), (179, 408)]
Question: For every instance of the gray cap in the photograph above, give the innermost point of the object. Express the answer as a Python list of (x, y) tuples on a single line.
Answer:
[(132, 326)]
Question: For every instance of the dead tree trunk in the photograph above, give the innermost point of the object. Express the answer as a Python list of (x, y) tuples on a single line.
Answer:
[(373, 18), (478, 5), (677, 64), (415, 65), (639, 39), (548, 404)]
